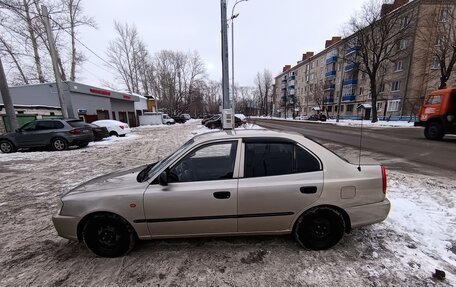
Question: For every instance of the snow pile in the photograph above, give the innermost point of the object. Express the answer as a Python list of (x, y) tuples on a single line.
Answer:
[(113, 139)]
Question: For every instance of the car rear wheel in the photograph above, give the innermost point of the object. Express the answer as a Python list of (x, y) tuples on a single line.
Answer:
[(434, 131), (320, 228), (108, 235), (59, 144), (113, 133), (213, 126), (7, 147)]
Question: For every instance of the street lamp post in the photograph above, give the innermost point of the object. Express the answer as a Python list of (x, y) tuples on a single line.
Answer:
[(233, 16)]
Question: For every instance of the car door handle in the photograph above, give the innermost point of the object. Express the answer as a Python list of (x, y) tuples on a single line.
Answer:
[(308, 189), (222, 194)]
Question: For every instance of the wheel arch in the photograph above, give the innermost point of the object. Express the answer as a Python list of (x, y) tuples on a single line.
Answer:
[(86, 218), (315, 208)]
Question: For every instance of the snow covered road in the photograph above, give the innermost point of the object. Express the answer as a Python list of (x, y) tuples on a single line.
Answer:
[(417, 237)]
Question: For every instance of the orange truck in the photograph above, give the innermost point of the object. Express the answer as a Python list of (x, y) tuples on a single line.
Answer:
[(438, 114)]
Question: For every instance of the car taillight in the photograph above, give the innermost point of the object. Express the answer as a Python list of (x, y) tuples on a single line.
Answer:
[(75, 132), (384, 179), (122, 127)]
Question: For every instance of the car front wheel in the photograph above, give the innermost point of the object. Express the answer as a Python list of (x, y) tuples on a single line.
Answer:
[(108, 235), (320, 228), (59, 144), (7, 147), (434, 131)]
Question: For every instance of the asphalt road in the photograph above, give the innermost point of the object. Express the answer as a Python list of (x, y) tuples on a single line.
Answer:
[(398, 148)]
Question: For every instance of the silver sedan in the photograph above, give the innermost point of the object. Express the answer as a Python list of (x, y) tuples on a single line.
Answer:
[(228, 183)]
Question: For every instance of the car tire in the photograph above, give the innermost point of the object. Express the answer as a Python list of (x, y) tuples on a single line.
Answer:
[(323, 118), (213, 126), (59, 144), (108, 235), (81, 145), (7, 147), (434, 131), (320, 228), (168, 123), (113, 133)]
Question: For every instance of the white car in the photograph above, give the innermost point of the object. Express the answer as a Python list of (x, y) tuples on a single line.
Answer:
[(115, 128)]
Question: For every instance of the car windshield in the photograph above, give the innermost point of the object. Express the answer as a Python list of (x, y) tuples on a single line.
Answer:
[(168, 159)]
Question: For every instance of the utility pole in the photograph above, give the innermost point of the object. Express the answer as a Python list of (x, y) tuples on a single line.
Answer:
[(58, 79), (225, 77), (7, 102)]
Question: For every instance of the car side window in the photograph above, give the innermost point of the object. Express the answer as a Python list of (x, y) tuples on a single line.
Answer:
[(210, 162), (46, 125), (31, 126), (269, 159)]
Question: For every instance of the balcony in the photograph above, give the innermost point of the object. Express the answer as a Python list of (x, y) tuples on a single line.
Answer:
[(291, 83), (350, 51), (291, 100), (331, 60), (348, 98), (291, 92), (349, 67), (350, 82), (284, 80), (329, 100), (291, 78), (330, 74), (283, 86), (330, 87)]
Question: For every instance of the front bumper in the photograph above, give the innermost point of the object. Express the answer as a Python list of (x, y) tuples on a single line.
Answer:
[(419, 124), (369, 213), (66, 226)]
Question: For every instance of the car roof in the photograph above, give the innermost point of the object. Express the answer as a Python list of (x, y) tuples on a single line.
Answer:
[(245, 133)]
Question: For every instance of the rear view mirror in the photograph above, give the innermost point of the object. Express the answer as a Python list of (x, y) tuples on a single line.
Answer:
[(163, 178)]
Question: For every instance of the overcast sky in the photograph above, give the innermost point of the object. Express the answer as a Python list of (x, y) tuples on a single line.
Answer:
[(268, 33)]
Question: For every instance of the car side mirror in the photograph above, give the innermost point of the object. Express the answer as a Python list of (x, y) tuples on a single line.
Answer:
[(163, 178)]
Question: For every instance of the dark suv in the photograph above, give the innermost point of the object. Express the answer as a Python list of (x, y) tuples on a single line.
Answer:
[(55, 133)]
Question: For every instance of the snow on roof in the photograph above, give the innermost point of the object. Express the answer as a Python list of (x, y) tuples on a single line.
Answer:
[(365, 106)]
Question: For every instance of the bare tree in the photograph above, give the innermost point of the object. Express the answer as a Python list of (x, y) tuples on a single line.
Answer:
[(377, 41), (441, 22), (263, 83)]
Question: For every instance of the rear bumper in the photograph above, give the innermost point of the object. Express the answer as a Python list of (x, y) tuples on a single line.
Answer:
[(369, 213), (81, 139), (66, 226)]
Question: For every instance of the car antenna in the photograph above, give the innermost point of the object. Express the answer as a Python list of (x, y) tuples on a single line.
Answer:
[(360, 143)]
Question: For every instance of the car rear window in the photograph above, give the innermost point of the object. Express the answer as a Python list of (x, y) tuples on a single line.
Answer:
[(77, 124)]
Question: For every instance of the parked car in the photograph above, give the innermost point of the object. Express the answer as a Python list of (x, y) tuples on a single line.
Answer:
[(216, 122), (208, 117), (55, 133), (317, 117), (224, 183), (187, 116), (115, 128), (99, 133), (179, 119)]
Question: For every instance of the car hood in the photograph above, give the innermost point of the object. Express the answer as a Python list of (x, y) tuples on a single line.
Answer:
[(119, 180)]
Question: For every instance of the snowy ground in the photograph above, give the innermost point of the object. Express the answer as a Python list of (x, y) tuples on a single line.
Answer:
[(416, 238), (343, 122)]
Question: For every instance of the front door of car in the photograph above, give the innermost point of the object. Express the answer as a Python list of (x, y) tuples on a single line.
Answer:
[(28, 135), (278, 179), (200, 196)]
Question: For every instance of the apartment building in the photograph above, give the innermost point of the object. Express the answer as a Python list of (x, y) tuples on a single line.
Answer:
[(331, 79)]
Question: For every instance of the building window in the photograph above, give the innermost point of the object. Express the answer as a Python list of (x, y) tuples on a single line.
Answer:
[(361, 90), (435, 63), (379, 107), (444, 13), (393, 106), (52, 113), (396, 86), (404, 21), (342, 108), (439, 40), (402, 44), (399, 66), (349, 108)]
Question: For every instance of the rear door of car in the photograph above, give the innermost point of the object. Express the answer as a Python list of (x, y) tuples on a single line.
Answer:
[(278, 179), (201, 195)]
